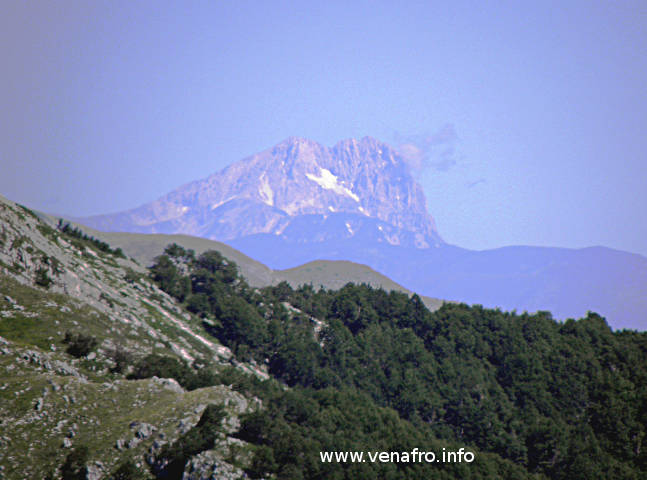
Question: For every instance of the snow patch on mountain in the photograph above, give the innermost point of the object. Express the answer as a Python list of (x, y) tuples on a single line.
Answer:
[(328, 181), (265, 191), (217, 204)]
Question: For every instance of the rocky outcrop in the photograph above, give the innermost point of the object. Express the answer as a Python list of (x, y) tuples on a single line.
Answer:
[(267, 192), (56, 287)]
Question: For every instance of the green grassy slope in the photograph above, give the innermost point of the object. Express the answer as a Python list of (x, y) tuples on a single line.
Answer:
[(334, 274)]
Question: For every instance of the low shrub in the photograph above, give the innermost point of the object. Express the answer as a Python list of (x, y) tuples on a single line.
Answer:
[(79, 345)]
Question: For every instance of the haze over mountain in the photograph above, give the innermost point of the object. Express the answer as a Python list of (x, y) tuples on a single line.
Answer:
[(356, 187), (300, 201)]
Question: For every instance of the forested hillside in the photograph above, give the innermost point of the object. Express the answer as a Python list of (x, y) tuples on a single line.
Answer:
[(267, 380), (375, 371)]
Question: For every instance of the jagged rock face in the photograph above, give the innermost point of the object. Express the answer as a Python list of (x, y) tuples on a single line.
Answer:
[(266, 192)]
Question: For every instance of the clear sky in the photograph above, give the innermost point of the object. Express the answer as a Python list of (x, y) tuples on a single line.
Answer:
[(525, 122)]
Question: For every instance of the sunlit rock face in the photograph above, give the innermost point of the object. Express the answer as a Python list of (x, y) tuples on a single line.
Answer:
[(298, 188)]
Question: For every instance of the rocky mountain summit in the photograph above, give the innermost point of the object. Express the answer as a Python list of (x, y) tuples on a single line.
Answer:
[(356, 187)]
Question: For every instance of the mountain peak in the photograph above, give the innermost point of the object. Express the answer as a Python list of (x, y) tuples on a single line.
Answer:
[(293, 141), (364, 142), (364, 181)]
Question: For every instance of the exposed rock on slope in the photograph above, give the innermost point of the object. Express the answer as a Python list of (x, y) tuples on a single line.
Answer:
[(362, 184), (112, 286), (52, 402)]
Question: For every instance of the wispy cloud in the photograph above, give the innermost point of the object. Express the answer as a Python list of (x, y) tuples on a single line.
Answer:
[(432, 150), (476, 183)]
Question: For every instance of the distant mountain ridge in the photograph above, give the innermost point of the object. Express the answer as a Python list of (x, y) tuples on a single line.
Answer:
[(353, 186), (300, 202), (327, 274), (567, 282)]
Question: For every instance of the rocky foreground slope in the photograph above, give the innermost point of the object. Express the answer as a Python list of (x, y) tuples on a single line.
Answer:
[(53, 286)]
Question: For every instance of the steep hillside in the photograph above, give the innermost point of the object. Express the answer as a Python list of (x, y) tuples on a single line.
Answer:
[(61, 294), (559, 400)]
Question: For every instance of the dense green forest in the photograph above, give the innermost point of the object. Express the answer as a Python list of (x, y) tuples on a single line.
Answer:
[(370, 370)]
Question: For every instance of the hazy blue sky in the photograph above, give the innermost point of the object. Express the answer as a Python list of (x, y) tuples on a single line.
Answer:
[(526, 121)]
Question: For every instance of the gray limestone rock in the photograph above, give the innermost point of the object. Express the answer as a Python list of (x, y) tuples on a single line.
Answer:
[(296, 179)]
